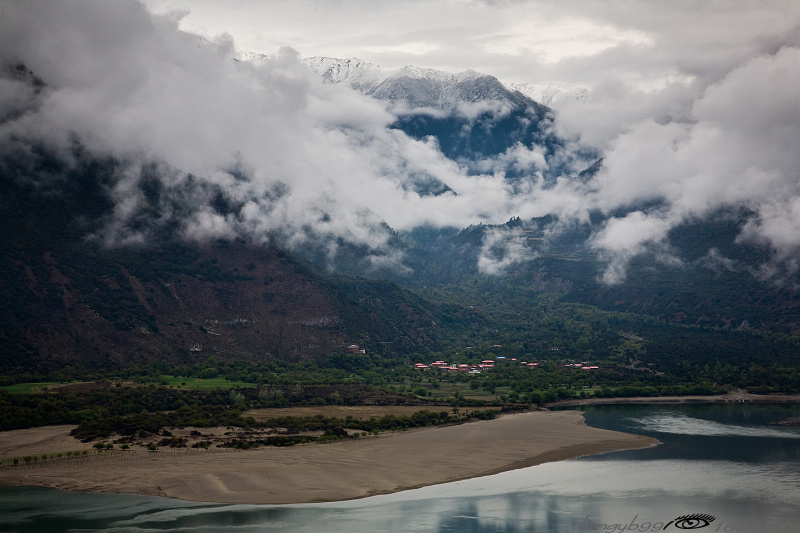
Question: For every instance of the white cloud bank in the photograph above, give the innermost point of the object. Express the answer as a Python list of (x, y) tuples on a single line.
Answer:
[(502, 249), (131, 85), (737, 146), (297, 154)]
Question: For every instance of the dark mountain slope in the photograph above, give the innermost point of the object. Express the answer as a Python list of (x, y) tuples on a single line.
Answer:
[(67, 299)]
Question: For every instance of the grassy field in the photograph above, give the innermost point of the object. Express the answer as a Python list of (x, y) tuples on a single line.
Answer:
[(28, 388), (446, 390), (176, 382), (219, 382)]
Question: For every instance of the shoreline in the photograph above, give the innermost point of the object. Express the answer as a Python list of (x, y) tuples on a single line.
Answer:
[(335, 471), (731, 397)]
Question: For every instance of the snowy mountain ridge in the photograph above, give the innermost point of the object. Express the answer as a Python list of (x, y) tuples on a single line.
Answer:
[(359, 74), (552, 96), (414, 86), (383, 83), (421, 87)]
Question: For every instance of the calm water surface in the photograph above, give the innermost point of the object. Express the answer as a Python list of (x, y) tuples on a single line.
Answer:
[(722, 468)]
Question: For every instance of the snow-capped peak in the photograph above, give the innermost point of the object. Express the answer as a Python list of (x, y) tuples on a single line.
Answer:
[(414, 86), (419, 86), (551, 95), (253, 57), (359, 74)]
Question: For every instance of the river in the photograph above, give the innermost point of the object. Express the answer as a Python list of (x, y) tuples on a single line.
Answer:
[(721, 468)]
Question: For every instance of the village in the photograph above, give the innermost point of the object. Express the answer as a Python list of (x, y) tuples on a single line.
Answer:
[(483, 366), (489, 364)]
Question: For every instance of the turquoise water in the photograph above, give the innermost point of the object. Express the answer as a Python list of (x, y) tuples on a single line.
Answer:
[(722, 468)]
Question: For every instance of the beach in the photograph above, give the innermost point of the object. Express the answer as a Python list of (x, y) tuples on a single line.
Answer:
[(319, 472)]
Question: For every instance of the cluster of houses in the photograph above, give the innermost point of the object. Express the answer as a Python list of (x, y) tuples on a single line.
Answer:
[(487, 364), (454, 369), (355, 348), (582, 366)]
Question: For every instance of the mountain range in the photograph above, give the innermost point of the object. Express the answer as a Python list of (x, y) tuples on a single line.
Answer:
[(425, 87), (708, 276), (71, 300)]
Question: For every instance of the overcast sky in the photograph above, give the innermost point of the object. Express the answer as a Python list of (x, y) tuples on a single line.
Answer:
[(646, 43), (695, 108)]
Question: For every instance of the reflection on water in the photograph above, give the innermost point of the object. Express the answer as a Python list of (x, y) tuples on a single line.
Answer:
[(720, 465), (686, 425), (712, 432)]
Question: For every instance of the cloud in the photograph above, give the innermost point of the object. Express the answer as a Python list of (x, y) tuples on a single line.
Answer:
[(716, 262), (291, 152), (644, 44), (738, 147), (623, 238), (518, 158), (214, 147), (501, 249), (693, 110)]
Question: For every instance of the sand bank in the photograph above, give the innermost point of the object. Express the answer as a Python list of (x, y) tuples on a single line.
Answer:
[(352, 468)]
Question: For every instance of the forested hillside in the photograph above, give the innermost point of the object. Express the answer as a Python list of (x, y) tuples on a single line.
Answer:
[(69, 299)]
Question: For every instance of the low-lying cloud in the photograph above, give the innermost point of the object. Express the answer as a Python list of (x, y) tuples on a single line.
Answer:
[(257, 150), (502, 249), (737, 146), (292, 152)]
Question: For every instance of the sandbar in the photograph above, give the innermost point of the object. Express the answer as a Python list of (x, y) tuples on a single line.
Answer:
[(321, 472)]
